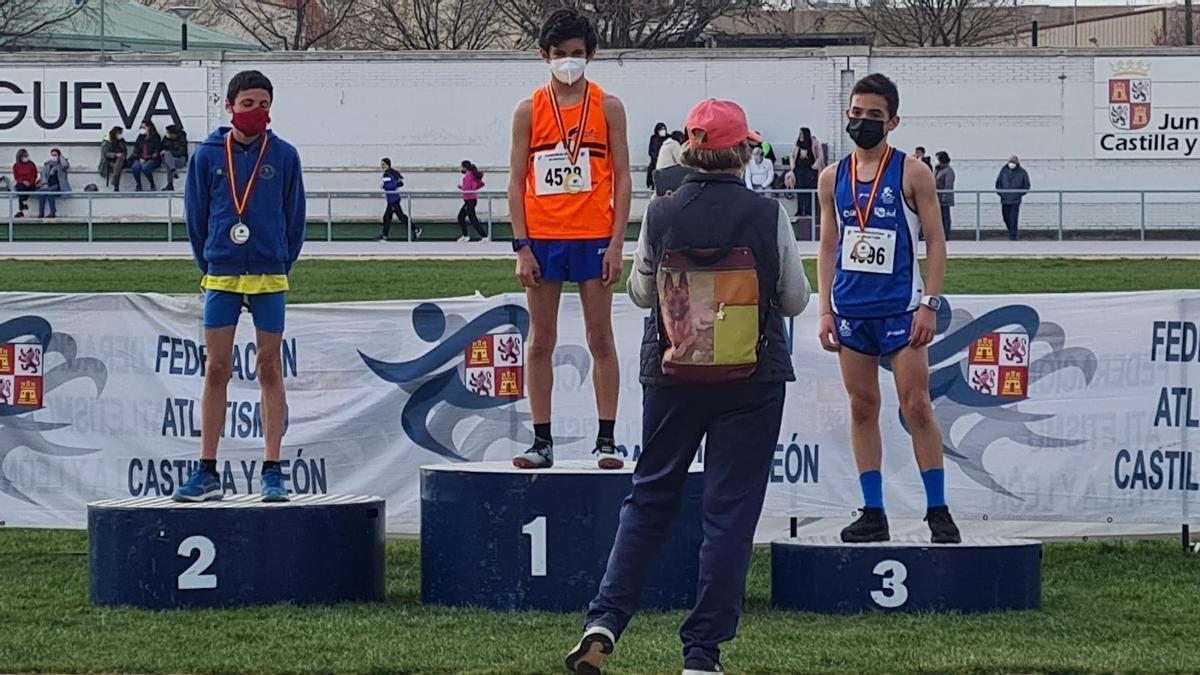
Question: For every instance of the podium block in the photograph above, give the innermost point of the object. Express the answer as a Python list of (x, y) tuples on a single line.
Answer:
[(503, 538), (825, 575), (315, 549)]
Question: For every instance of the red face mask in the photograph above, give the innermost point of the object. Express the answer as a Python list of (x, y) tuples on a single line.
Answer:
[(252, 122)]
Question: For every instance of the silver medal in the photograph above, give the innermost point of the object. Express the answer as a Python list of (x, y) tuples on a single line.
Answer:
[(240, 233)]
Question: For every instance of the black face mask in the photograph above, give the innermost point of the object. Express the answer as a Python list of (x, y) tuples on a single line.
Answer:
[(866, 133)]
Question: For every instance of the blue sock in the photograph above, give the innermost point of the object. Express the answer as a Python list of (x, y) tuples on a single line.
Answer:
[(935, 487), (872, 488)]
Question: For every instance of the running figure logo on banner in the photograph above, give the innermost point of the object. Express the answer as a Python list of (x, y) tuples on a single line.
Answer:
[(999, 365), (1129, 95), (21, 375), (495, 366)]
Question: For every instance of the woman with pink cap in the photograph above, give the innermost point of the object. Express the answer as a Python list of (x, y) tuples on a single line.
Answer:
[(718, 268)]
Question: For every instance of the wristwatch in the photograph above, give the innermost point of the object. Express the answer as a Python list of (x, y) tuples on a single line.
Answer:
[(932, 302), (519, 244)]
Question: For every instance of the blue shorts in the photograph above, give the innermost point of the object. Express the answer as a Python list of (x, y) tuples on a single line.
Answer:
[(222, 309), (570, 260), (875, 337)]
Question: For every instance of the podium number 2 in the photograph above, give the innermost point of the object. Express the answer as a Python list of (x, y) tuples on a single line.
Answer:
[(194, 578), (894, 593), (536, 529)]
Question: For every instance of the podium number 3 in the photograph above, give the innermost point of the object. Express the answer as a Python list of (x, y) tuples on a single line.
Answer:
[(194, 578), (894, 593), (536, 529)]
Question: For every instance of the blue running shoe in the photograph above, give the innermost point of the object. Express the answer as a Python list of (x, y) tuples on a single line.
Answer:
[(273, 489), (201, 486)]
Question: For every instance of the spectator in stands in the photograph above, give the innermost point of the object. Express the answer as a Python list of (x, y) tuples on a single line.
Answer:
[(668, 154), (760, 172), (146, 154), (656, 141), (54, 179), (112, 157), (25, 179), (768, 151), (808, 158), (174, 153), (944, 176), (1011, 185), (919, 153), (391, 184), (472, 180)]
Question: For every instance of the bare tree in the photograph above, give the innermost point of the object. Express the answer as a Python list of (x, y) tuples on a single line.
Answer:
[(294, 25), (432, 24), (936, 23), (631, 24), (21, 19), (1174, 30), (206, 10)]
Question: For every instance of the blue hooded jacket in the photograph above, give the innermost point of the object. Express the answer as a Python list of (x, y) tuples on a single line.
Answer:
[(275, 214)]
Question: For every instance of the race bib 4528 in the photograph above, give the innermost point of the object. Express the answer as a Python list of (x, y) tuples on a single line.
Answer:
[(556, 175)]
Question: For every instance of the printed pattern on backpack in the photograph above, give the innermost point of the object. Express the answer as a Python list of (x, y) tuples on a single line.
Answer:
[(708, 306)]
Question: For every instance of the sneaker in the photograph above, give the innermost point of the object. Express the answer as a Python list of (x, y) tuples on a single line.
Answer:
[(381, 238), (872, 525), (588, 656), (941, 526), (201, 486), (540, 456), (19, 214), (696, 662), (273, 489), (606, 454), (463, 239)]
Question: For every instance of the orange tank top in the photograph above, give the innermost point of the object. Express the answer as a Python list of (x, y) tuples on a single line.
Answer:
[(567, 199)]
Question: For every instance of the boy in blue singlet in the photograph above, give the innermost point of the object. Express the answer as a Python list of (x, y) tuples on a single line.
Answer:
[(874, 204)]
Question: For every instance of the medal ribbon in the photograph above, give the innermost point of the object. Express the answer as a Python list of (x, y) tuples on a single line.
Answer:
[(572, 152), (858, 210), (239, 204)]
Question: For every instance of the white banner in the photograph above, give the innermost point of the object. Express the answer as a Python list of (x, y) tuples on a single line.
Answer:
[(79, 105), (1147, 108), (1070, 407)]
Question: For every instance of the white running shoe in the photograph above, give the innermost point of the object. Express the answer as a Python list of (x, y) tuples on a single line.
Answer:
[(588, 656), (463, 239)]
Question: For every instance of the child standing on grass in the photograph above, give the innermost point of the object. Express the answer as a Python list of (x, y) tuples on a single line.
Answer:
[(472, 180)]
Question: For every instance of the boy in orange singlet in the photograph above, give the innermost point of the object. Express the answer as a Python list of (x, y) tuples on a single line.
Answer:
[(568, 194)]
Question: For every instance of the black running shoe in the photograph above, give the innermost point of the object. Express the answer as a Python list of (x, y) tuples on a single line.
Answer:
[(941, 526), (872, 525), (587, 658)]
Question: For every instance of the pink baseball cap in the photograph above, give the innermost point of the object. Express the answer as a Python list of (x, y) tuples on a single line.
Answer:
[(724, 124)]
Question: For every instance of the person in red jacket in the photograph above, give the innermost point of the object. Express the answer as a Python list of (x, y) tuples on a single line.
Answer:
[(25, 179)]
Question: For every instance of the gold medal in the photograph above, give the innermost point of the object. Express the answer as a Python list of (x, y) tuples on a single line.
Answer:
[(575, 184)]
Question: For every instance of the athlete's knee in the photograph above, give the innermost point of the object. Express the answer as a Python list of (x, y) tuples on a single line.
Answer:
[(601, 343), (269, 369), (917, 409), (864, 407), (541, 345), (218, 370)]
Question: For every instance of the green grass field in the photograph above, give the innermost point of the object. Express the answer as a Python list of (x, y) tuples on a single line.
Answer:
[(1128, 608)]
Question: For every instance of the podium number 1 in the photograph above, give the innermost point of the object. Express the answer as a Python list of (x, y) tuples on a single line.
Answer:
[(894, 593), (536, 529), (194, 578)]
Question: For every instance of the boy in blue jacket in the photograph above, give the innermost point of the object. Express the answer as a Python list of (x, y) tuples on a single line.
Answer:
[(244, 201)]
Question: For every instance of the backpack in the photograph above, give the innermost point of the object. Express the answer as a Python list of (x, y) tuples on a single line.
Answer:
[(708, 302)]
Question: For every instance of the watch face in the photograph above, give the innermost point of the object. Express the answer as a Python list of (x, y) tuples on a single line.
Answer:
[(933, 302)]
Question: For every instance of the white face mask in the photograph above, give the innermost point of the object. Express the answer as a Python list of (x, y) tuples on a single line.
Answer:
[(1012, 165), (568, 70), (662, 132)]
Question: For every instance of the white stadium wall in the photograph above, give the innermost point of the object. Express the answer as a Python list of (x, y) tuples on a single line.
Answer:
[(428, 111)]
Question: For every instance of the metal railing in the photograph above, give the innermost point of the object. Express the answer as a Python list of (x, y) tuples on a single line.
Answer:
[(1104, 203)]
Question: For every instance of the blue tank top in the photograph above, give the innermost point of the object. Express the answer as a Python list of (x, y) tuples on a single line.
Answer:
[(869, 295)]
